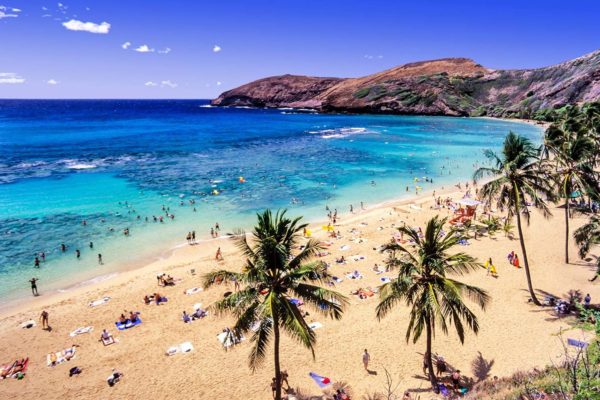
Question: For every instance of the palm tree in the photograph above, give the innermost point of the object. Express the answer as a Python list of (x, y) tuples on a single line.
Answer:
[(517, 183), (422, 283), (586, 237), (273, 275), (572, 154)]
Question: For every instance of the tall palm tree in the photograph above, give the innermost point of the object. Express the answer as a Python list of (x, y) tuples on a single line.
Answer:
[(588, 236), (273, 276), (518, 182), (571, 153), (423, 284)]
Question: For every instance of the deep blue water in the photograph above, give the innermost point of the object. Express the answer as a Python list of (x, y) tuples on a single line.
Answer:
[(108, 162)]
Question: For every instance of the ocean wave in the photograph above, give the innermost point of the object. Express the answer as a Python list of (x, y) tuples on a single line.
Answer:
[(206, 106), (339, 133)]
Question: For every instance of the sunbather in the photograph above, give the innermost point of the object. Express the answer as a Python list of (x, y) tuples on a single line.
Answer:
[(147, 299), (199, 313), (18, 366), (123, 319), (106, 338), (133, 317), (185, 317), (114, 377)]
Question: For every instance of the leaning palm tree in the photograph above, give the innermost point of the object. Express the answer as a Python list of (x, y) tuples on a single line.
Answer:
[(273, 276), (588, 236), (423, 284), (571, 156), (518, 182)]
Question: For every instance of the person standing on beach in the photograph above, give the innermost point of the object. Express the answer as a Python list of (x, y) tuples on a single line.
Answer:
[(44, 319), (34, 289), (351, 209), (100, 259), (218, 256), (193, 236), (366, 358)]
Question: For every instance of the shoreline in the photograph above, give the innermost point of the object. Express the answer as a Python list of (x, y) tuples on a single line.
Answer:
[(164, 254), (147, 264)]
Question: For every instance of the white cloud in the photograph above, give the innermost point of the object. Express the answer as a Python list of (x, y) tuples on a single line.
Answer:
[(150, 83), (5, 14), (144, 49), (52, 82), (75, 25), (46, 15), (167, 50), (168, 83), (126, 45), (218, 83), (10, 78), (216, 48)]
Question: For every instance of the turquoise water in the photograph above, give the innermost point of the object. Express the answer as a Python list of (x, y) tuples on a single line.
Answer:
[(116, 163)]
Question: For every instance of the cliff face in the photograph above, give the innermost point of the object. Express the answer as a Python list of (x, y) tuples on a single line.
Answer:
[(453, 86)]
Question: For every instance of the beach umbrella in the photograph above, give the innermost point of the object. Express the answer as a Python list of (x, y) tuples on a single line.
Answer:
[(322, 381)]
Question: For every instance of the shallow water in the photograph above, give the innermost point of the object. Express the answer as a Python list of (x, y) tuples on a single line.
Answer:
[(114, 163)]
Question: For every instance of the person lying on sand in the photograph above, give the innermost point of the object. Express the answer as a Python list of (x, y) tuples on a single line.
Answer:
[(340, 260), (199, 313)]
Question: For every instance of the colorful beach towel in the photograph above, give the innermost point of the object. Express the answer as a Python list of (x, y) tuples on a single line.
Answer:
[(120, 326), (81, 330), (53, 359), (12, 371), (99, 302), (322, 381)]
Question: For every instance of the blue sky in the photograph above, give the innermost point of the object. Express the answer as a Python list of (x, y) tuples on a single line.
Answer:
[(74, 49)]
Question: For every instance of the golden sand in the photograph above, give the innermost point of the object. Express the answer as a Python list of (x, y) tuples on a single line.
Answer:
[(514, 335)]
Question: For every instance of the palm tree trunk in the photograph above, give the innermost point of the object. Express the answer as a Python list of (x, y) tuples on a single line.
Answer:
[(432, 377), (276, 355), (567, 231), (525, 261)]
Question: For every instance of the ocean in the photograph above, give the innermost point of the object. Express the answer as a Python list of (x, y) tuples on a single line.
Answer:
[(79, 171)]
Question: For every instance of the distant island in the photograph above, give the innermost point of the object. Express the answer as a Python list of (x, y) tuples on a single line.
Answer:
[(450, 86)]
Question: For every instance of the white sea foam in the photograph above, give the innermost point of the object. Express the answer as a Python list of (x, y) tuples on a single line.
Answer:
[(206, 106), (339, 133), (81, 166)]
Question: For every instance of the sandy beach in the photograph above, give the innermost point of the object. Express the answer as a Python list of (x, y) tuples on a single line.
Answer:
[(514, 335)]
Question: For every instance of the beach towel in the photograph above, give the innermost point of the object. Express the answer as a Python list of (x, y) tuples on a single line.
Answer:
[(193, 290), (185, 347), (81, 331), (345, 247), (53, 359), (99, 302), (120, 326), (385, 279), (354, 275), (315, 325), (444, 390), (7, 370), (28, 324), (296, 302), (227, 339), (322, 381)]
